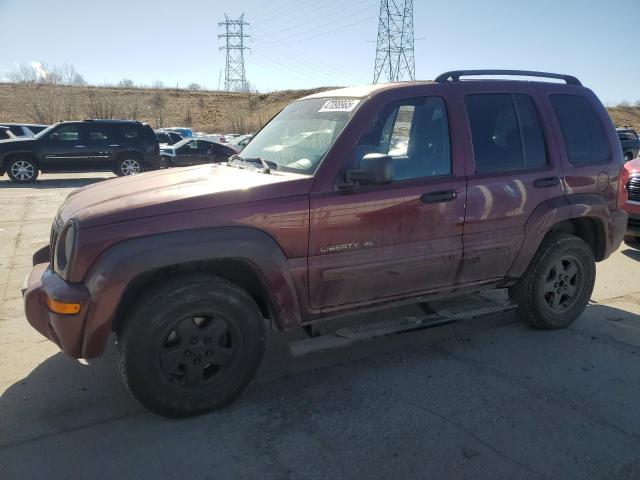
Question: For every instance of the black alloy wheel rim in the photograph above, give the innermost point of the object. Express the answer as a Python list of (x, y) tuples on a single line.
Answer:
[(197, 352), (563, 284)]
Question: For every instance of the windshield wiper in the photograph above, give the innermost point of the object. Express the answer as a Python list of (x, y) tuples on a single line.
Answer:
[(267, 165)]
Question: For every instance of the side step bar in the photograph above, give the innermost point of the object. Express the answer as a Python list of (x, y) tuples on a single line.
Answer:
[(445, 312)]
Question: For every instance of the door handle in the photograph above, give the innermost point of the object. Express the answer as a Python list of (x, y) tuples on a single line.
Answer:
[(114, 145), (79, 146), (439, 197), (546, 182)]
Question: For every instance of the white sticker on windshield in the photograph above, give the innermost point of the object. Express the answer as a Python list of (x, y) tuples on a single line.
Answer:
[(341, 105)]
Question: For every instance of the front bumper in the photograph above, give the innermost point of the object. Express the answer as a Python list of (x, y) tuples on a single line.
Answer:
[(66, 331)]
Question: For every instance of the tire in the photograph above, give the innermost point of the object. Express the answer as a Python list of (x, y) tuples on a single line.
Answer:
[(177, 378), (558, 283), (165, 162), (22, 170), (128, 165)]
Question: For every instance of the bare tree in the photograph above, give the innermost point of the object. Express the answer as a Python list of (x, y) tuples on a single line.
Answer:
[(158, 103), (194, 87), (49, 90), (624, 104), (126, 83), (102, 105)]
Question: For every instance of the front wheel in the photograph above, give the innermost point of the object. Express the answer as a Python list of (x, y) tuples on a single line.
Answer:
[(558, 283), (128, 166), (22, 170), (191, 345)]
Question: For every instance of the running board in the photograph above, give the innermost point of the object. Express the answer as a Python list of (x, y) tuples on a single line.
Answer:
[(445, 312)]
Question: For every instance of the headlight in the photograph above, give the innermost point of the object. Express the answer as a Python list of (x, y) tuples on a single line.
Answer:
[(64, 247)]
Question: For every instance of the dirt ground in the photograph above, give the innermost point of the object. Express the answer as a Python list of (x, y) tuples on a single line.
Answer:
[(486, 398)]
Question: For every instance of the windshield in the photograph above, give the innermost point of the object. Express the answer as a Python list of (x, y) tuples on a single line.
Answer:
[(298, 137)]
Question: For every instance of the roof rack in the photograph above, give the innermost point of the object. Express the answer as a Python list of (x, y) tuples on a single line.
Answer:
[(456, 74)]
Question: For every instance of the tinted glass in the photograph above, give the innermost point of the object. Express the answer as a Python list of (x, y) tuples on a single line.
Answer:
[(100, 134), (16, 130), (506, 132), (4, 133), (584, 136), (494, 130), (535, 150), (416, 135), (67, 133), (36, 129)]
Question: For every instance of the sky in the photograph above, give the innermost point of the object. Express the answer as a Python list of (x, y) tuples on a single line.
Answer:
[(310, 43)]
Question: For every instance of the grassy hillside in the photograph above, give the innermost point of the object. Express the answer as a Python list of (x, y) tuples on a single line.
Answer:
[(209, 111)]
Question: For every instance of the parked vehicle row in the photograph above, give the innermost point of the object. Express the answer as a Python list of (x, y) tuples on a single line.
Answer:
[(121, 146), (348, 199), (630, 143), (195, 151)]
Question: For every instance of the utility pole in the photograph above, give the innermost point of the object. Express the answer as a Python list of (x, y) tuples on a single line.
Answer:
[(234, 74), (394, 49)]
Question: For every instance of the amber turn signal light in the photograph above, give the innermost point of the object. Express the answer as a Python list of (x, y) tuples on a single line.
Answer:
[(63, 308)]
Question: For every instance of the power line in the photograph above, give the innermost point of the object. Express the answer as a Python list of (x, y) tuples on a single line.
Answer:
[(395, 45), (234, 75)]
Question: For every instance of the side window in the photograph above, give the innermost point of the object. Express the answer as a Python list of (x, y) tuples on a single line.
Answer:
[(584, 136), (535, 150), (100, 134), (506, 132), (67, 133), (16, 130), (416, 135)]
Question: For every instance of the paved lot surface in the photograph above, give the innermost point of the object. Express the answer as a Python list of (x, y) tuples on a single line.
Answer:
[(488, 398)]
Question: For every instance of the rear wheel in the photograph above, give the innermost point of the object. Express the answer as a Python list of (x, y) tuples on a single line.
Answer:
[(558, 283), (191, 345), (22, 170), (128, 165)]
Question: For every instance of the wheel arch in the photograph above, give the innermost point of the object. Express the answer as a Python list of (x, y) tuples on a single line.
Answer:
[(243, 255), (9, 157), (587, 216)]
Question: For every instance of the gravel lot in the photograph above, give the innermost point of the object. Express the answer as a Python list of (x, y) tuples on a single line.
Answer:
[(487, 398)]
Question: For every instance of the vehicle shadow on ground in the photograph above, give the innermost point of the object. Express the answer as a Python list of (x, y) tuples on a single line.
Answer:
[(390, 399), (633, 252), (63, 394), (54, 183)]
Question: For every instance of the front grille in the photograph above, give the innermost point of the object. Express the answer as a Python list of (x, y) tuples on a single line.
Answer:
[(633, 187)]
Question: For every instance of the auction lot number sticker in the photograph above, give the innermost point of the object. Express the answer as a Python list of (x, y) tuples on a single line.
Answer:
[(342, 105)]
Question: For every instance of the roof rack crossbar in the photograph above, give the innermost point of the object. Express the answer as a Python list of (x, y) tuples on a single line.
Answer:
[(456, 74)]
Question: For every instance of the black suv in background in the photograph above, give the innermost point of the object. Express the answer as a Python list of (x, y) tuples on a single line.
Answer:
[(630, 143), (122, 146)]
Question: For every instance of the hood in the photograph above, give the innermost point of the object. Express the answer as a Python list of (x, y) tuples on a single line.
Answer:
[(177, 190)]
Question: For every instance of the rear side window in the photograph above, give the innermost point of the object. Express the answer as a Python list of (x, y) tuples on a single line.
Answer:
[(506, 132), (584, 136), (16, 130)]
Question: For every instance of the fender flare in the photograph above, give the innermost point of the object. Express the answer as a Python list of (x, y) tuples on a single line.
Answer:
[(119, 265), (556, 210)]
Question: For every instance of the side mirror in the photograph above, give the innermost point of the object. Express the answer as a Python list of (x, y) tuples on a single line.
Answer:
[(374, 169)]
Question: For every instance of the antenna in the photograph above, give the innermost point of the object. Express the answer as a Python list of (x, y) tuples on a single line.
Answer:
[(234, 74), (395, 46)]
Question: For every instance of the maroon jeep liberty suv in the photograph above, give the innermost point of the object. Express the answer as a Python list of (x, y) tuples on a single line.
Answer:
[(355, 198)]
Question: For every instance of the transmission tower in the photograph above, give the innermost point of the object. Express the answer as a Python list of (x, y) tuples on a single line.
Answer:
[(234, 75), (394, 50)]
